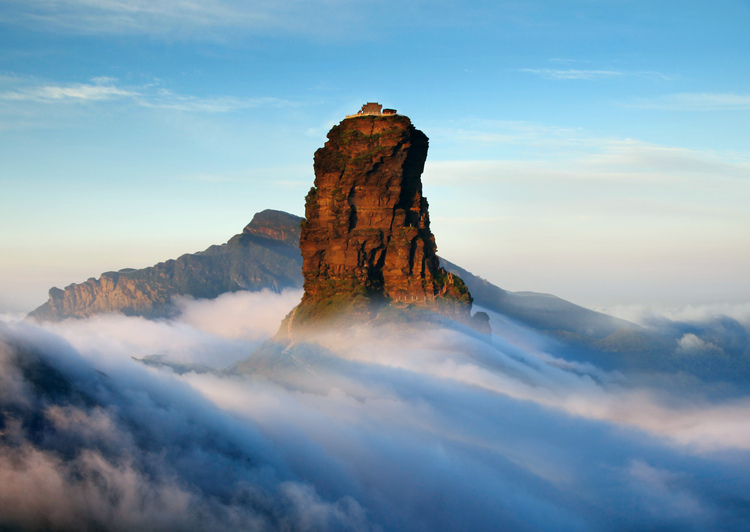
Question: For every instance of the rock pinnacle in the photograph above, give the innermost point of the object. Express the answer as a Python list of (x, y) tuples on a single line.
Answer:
[(366, 242)]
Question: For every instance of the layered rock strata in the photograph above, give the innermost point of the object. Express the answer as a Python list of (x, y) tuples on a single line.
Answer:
[(366, 238)]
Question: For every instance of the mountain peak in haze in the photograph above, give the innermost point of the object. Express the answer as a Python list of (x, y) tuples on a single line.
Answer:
[(275, 225), (264, 255), (366, 240)]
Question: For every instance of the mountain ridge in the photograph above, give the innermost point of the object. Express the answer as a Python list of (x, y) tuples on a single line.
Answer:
[(264, 255)]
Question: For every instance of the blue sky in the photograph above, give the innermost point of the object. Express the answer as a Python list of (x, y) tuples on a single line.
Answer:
[(596, 150)]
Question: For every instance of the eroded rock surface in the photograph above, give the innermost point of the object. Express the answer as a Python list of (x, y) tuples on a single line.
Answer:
[(366, 239)]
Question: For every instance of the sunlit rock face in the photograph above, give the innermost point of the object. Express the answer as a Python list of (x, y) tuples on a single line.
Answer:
[(366, 239)]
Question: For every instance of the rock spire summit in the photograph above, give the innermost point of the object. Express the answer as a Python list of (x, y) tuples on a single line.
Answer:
[(366, 240)]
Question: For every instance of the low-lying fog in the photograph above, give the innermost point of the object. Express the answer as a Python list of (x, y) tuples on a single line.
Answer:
[(404, 428)]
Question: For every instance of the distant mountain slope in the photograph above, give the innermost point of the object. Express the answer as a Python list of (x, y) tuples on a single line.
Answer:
[(541, 311), (587, 329), (265, 255)]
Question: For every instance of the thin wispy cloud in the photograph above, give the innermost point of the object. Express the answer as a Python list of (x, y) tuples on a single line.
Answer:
[(626, 189), (79, 92), (669, 160), (488, 132), (166, 99), (212, 20), (138, 16), (699, 101), (550, 73), (568, 60), (590, 75), (583, 154), (101, 89), (636, 165)]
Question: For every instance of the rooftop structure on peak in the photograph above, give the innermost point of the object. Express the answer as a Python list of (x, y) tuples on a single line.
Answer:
[(373, 108)]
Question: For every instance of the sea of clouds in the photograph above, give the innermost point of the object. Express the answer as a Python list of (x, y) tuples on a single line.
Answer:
[(413, 427)]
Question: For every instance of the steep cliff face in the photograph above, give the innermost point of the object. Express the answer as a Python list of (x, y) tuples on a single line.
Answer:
[(366, 239), (264, 255)]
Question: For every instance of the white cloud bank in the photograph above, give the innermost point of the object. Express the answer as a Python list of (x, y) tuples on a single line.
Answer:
[(419, 429)]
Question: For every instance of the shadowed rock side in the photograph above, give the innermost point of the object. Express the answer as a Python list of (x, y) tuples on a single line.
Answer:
[(264, 255), (366, 238)]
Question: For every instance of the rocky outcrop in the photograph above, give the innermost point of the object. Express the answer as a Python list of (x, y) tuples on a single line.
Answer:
[(366, 238), (264, 255), (278, 226)]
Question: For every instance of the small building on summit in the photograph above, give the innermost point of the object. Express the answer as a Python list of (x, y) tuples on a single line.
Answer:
[(373, 108)]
